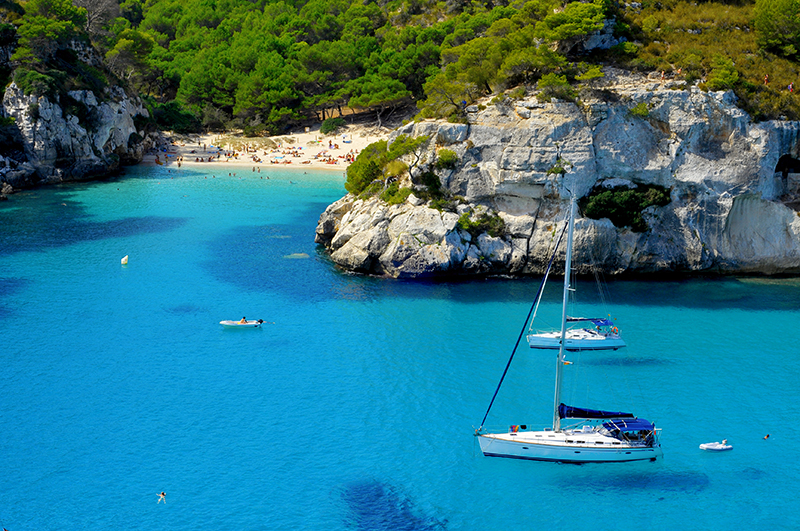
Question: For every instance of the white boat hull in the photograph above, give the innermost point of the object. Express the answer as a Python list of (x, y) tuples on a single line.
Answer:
[(239, 324), (716, 447), (582, 339), (565, 447)]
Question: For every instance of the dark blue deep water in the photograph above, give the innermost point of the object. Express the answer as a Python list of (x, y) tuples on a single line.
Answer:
[(354, 408)]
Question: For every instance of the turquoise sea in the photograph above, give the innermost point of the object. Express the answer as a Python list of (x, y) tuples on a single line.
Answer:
[(354, 408)]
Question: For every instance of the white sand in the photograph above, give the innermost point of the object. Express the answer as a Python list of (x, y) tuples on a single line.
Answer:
[(301, 150)]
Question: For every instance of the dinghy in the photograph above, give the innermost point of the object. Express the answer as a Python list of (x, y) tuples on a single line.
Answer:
[(717, 446), (242, 324)]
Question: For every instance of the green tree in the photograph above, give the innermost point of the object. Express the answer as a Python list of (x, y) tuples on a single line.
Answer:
[(577, 18), (723, 74), (47, 26), (377, 93), (447, 96), (129, 55), (777, 25)]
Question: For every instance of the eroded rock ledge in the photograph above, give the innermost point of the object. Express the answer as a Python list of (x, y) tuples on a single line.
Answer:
[(734, 188)]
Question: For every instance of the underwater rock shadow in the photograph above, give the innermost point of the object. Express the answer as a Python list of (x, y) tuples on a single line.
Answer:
[(376, 506), (265, 259), (8, 287), (27, 237)]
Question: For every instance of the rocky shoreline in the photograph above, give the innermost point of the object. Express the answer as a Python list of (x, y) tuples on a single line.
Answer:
[(734, 187)]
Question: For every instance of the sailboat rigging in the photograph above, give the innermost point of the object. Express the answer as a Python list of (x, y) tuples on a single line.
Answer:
[(595, 436)]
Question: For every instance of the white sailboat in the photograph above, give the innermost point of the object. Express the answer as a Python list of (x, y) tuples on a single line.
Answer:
[(592, 435), (603, 336), (583, 333)]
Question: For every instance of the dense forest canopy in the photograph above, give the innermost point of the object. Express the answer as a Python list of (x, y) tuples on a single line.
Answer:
[(266, 65)]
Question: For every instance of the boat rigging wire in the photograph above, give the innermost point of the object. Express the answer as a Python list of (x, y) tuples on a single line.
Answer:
[(524, 327)]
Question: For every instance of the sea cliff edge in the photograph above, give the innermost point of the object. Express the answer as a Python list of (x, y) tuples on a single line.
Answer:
[(734, 188)]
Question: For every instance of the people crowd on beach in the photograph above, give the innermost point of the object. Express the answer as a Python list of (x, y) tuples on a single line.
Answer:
[(277, 155)]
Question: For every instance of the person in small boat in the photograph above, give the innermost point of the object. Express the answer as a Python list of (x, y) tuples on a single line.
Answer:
[(724, 441), (243, 321)]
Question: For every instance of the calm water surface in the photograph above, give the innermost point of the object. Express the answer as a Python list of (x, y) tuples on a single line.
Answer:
[(353, 409)]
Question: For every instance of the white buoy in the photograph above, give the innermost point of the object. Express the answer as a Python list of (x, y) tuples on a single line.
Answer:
[(124, 260)]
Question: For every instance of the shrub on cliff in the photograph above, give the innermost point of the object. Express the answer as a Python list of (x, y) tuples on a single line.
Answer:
[(366, 168), (555, 86), (640, 110), (394, 195), (35, 83), (446, 159), (491, 224), (375, 161), (623, 206)]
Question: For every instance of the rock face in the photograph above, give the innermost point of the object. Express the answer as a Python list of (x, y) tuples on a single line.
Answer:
[(734, 188), (48, 144)]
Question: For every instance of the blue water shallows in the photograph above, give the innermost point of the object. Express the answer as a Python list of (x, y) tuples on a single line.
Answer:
[(354, 407)]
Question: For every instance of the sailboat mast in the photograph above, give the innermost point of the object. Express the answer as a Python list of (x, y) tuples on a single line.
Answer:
[(567, 271)]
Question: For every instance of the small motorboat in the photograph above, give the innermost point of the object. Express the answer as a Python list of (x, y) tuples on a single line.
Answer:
[(717, 446), (242, 324)]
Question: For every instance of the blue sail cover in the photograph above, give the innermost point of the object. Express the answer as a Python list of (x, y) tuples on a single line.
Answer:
[(569, 412), (629, 425), (595, 321)]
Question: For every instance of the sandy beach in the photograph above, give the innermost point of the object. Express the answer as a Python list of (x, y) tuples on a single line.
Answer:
[(307, 149)]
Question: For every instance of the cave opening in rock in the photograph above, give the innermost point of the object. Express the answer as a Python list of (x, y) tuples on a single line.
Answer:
[(788, 168), (787, 164)]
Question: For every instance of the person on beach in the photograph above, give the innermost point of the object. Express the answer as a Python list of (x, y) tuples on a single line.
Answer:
[(162, 497)]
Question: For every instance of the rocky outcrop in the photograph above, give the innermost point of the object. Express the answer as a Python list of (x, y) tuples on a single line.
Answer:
[(734, 186), (47, 143)]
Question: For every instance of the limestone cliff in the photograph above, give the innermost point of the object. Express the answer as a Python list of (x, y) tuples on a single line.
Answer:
[(732, 182), (47, 143)]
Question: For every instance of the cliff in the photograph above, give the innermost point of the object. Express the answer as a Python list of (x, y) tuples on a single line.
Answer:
[(733, 188), (48, 143)]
